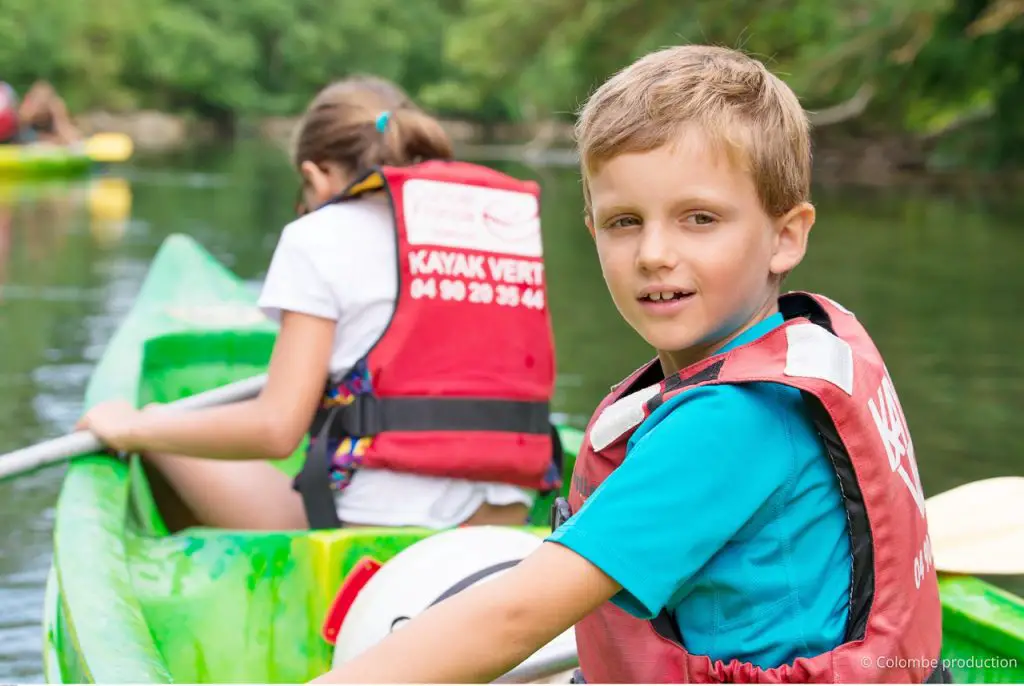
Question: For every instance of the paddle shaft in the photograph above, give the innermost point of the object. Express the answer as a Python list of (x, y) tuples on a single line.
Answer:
[(563, 659), (84, 442)]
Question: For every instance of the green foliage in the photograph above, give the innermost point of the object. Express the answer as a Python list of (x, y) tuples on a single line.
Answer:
[(928, 63)]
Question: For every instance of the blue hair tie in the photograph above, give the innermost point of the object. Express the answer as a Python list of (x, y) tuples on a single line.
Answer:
[(382, 120)]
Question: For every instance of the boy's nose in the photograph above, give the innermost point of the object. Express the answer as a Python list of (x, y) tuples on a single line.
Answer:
[(655, 251)]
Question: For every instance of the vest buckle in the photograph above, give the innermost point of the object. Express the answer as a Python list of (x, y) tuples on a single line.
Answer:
[(362, 417), (560, 512)]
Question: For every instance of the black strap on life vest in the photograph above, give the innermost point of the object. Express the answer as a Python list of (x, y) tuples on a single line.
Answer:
[(313, 481), (369, 415)]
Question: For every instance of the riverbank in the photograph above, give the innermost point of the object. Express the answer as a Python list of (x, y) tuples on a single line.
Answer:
[(842, 154), (157, 132)]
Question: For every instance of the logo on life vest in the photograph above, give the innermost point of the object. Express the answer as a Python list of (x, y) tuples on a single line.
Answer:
[(514, 217), (583, 486), (469, 217), (892, 428)]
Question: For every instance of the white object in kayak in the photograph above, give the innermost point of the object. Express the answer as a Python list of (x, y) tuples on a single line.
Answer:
[(428, 572)]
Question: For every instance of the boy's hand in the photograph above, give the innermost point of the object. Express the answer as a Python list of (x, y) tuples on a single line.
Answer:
[(486, 630)]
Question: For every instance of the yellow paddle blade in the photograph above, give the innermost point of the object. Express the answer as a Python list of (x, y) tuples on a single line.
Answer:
[(978, 528), (109, 147)]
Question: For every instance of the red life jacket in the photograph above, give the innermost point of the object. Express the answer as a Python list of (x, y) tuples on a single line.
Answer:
[(9, 125), (894, 632), (460, 382)]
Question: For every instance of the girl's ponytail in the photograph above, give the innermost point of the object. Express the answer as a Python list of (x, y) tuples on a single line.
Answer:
[(364, 122), (411, 136)]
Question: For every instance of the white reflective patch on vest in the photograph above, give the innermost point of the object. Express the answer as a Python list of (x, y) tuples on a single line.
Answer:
[(624, 414), (455, 215), (814, 353)]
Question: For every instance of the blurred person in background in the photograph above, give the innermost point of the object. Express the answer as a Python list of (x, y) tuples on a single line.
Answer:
[(42, 117)]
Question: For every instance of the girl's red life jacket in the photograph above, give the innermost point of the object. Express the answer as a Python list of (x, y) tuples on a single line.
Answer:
[(459, 384)]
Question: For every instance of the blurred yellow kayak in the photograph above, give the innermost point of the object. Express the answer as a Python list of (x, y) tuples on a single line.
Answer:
[(40, 160)]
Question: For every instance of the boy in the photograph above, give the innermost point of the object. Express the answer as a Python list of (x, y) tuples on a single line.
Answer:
[(769, 515)]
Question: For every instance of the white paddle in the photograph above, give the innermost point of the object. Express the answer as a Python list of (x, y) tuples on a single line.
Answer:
[(84, 442), (978, 528), (560, 660)]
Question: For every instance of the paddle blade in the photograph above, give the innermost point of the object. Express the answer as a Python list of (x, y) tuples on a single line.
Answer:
[(109, 147), (978, 528)]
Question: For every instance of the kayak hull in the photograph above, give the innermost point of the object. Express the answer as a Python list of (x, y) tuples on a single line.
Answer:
[(129, 602), (42, 162), (982, 631)]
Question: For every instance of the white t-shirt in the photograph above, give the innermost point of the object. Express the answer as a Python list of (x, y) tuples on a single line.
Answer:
[(340, 263)]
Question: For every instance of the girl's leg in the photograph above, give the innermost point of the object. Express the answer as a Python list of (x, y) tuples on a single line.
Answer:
[(249, 495), (176, 514), (514, 514)]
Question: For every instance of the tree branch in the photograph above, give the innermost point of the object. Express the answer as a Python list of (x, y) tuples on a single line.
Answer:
[(844, 111)]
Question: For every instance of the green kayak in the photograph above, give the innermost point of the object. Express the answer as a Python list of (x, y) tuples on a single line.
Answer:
[(42, 161), (127, 601)]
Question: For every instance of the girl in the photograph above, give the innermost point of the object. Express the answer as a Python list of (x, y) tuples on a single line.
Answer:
[(332, 284)]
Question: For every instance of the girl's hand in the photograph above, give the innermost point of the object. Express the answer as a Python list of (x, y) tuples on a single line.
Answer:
[(114, 423), (269, 427)]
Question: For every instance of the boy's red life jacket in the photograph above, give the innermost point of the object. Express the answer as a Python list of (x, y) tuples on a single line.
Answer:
[(894, 632), (460, 382)]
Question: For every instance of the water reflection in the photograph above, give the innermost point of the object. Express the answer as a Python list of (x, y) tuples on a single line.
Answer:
[(52, 237)]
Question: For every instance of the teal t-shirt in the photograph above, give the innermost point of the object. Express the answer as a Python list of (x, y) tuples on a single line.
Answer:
[(726, 512)]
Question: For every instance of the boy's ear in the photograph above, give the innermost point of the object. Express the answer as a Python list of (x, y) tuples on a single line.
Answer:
[(589, 221), (791, 232)]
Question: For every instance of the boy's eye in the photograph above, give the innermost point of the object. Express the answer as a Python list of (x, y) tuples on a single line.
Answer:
[(620, 222), (702, 218)]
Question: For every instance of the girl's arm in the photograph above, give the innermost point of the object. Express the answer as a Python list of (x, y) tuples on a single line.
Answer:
[(486, 630), (270, 426)]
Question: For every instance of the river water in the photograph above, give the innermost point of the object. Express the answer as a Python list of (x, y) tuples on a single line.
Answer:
[(936, 279)]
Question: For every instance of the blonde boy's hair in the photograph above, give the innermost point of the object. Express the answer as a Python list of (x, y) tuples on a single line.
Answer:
[(752, 114)]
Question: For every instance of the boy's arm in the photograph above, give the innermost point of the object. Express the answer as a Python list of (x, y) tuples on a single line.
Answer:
[(486, 630)]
